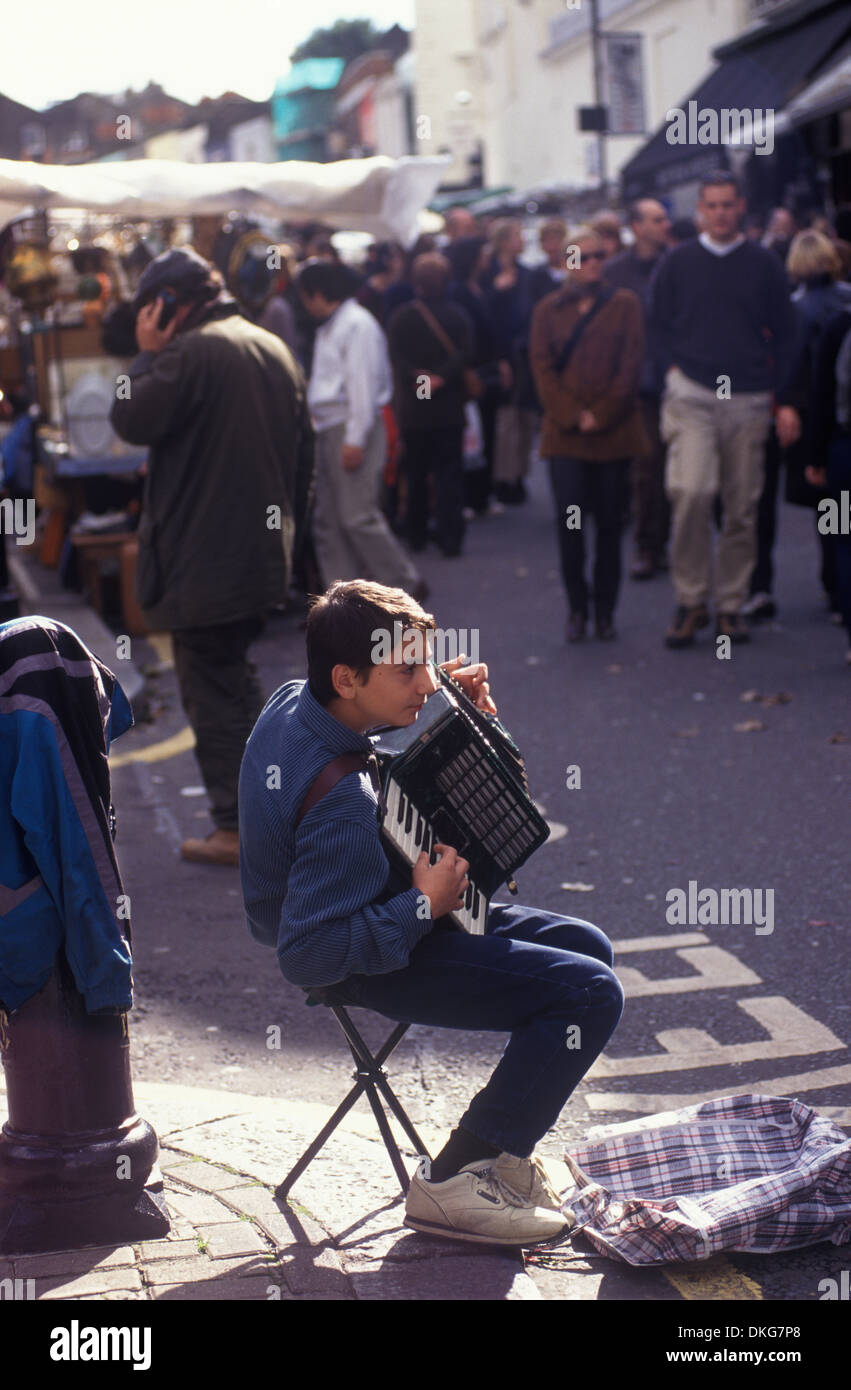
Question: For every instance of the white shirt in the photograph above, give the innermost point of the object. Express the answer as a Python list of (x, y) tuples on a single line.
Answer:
[(351, 378), (720, 248)]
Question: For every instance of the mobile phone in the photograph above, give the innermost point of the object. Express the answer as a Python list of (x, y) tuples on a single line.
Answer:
[(167, 313)]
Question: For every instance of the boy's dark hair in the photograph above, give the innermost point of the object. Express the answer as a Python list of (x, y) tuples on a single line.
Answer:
[(341, 624), (335, 282), (719, 177)]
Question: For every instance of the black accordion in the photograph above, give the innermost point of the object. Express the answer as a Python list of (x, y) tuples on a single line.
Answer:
[(456, 776)]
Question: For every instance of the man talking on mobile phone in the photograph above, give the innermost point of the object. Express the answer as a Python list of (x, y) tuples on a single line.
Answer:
[(223, 406)]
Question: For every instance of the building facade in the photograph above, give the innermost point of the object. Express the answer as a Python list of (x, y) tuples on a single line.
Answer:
[(449, 111), (537, 70)]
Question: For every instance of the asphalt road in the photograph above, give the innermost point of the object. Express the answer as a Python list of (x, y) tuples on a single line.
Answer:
[(673, 789)]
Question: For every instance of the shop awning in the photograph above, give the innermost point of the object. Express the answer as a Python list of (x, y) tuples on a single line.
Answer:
[(762, 70), (466, 197), (831, 92), (378, 195)]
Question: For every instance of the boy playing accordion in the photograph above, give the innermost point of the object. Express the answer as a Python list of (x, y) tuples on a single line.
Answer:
[(318, 886)]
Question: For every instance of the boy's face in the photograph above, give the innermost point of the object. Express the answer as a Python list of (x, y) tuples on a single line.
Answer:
[(393, 692)]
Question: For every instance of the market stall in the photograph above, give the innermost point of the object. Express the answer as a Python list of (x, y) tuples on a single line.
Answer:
[(73, 241)]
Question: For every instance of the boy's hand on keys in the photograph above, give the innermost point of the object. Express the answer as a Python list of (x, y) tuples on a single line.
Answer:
[(443, 883)]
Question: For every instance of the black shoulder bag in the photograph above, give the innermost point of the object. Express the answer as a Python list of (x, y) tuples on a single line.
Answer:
[(564, 356)]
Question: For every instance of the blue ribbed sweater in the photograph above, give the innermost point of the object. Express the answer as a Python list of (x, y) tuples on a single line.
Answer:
[(313, 892)]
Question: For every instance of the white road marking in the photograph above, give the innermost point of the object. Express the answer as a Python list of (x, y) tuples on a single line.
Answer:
[(642, 1103), (716, 968), (659, 943), (792, 1034)]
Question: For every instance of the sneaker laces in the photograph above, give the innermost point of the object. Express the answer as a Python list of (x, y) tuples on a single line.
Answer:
[(487, 1174), (542, 1181), (508, 1195)]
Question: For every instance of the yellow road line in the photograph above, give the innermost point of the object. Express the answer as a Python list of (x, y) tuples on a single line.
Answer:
[(712, 1281), (157, 752)]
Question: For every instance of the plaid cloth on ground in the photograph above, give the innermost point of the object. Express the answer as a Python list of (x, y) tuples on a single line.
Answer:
[(748, 1172)]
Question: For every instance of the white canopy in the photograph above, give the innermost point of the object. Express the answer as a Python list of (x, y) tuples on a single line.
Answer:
[(831, 91), (377, 195)]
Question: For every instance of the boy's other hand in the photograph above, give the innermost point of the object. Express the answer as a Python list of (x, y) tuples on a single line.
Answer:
[(473, 680), (443, 883)]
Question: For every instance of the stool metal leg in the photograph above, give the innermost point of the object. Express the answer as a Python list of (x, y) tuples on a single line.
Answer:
[(321, 1139), (362, 1055), (369, 1080)]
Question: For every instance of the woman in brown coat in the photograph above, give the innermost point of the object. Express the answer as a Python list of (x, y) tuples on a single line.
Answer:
[(586, 350)]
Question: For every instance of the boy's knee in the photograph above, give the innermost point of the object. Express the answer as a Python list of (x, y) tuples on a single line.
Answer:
[(607, 993)]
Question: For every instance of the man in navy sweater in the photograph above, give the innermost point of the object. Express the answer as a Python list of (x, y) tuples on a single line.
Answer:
[(321, 890), (722, 324)]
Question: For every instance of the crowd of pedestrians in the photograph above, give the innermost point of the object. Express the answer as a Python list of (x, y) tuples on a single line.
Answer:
[(663, 371)]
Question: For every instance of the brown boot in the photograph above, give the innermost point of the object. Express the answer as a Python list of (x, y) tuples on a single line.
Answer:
[(732, 625), (221, 847), (686, 623)]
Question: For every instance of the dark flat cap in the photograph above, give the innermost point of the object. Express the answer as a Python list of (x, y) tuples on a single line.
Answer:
[(180, 267)]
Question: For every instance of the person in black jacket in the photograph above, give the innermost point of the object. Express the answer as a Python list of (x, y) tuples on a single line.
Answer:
[(633, 270), (430, 341), (508, 285), (467, 257), (830, 470), (723, 326), (223, 405)]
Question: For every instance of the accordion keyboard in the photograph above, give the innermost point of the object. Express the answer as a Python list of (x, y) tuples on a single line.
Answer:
[(410, 834)]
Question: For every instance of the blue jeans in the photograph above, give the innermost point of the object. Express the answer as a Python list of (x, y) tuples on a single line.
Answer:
[(544, 979)]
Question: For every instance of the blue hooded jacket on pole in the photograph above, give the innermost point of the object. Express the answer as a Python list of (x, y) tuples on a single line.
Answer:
[(60, 885)]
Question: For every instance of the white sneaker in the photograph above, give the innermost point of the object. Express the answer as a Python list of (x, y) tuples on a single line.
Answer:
[(529, 1180), (476, 1206)]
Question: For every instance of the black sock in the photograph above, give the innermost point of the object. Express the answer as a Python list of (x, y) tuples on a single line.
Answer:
[(461, 1148)]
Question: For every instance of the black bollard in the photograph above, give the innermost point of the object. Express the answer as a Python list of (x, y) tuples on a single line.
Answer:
[(77, 1164)]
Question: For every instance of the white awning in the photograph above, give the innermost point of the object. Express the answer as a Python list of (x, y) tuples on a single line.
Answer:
[(378, 195), (828, 93)]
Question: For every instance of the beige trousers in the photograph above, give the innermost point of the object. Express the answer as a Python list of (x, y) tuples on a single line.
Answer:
[(350, 532), (715, 446)]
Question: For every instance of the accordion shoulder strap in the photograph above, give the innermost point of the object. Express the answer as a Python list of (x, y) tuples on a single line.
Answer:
[(330, 775)]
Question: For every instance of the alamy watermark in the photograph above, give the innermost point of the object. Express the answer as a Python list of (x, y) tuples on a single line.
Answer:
[(727, 126), (413, 644), (835, 515), (710, 907), (17, 518)]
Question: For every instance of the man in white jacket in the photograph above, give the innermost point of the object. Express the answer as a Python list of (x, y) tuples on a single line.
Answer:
[(350, 382)]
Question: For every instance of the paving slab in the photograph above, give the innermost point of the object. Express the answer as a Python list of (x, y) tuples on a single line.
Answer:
[(89, 1259), (89, 1285), (229, 1288), (230, 1238), (454, 1281), (200, 1269)]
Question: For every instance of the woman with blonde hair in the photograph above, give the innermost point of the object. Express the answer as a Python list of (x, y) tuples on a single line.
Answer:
[(813, 259)]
